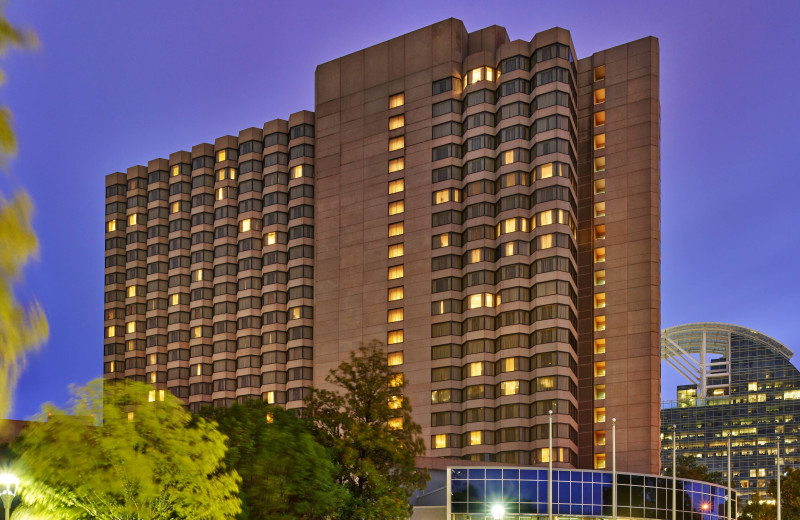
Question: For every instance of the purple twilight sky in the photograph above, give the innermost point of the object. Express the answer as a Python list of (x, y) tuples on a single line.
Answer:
[(115, 84)]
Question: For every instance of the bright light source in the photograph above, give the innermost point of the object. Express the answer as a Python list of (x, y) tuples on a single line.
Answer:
[(497, 511), (8, 484), (705, 506)]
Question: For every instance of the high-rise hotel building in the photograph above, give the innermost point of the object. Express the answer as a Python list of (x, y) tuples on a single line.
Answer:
[(488, 209)]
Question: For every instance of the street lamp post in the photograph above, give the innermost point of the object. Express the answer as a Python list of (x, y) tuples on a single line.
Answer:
[(778, 461), (498, 511), (729, 504), (8, 489), (614, 468), (674, 493)]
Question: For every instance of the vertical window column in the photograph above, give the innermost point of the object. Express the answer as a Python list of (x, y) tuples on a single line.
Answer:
[(396, 212)]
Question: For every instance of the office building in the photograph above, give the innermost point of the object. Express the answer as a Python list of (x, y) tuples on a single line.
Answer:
[(486, 208), (743, 388)]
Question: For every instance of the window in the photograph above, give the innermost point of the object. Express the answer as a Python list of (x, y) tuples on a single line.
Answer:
[(135, 219), (301, 170), (395, 273), (395, 165), (600, 232), (600, 346), (599, 460), (599, 141), (395, 293), (396, 423), (396, 186), (476, 301), (475, 438), (475, 369), (600, 438), (479, 74), (396, 251), (600, 118), (397, 143), (395, 402), (395, 315), (599, 415), (271, 238), (397, 100), (600, 392), (509, 388), (600, 369), (394, 337), (752, 387), (396, 380), (600, 321), (599, 255), (600, 186), (600, 73), (599, 96), (396, 207), (397, 122), (440, 441), (446, 195), (394, 359), (395, 229), (599, 301)]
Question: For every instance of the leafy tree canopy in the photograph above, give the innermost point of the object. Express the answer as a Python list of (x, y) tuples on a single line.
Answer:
[(689, 467), (123, 453), (286, 473), (367, 424)]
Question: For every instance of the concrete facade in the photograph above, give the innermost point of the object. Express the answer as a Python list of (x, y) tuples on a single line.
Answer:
[(487, 209)]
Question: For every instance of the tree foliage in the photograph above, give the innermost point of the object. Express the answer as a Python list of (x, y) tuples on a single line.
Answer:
[(21, 327), (790, 493), (146, 460), (375, 459), (688, 466), (286, 473), (756, 509)]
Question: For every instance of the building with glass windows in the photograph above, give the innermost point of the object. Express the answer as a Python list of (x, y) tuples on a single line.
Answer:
[(521, 493), (489, 209), (744, 388)]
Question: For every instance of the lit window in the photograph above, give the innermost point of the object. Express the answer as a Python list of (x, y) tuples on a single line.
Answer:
[(599, 461), (599, 186), (197, 332), (197, 275), (475, 438), (245, 225), (600, 300), (131, 291), (111, 225), (270, 417), (545, 455), (599, 96), (396, 380), (396, 186), (600, 346), (752, 387), (600, 392), (396, 423), (397, 100), (395, 293), (440, 441), (441, 396), (221, 193), (546, 171), (133, 219), (600, 73), (151, 395), (599, 415), (221, 155), (271, 237), (130, 416), (153, 377), (394, 359), (270, 397), (475, 369), (509, 388), (600, 369), (397, 122), (599, 164), (476, 301), (600, 232), (396, 251), (442, 240), (600, 438), (599, 323), (395, 402), (508, 157), (600, 254), (600, 118), (297, 171), (174, 299), (599, 141), (397, 143), (762, 472), (395, 315), (395, 272), (174, 207), (395, 229), (395, 165), (112, 331), (111, 367), (397, 207), (394, 337)]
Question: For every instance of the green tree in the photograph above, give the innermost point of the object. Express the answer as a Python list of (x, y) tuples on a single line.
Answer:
[(368, 426), (790, 493), (22, 327), (756, 509), (286, 473), (688, 466), (147, 459)]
